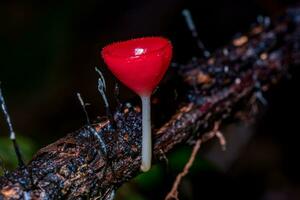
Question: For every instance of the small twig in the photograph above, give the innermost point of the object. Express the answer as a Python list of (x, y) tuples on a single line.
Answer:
[(222, 140), (217, 133), (12, 135), (173, 194)]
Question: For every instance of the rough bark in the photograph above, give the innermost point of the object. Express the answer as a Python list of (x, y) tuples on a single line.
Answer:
[(208, 90)]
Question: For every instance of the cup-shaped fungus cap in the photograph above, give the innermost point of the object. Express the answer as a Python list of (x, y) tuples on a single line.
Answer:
[(139, 63)]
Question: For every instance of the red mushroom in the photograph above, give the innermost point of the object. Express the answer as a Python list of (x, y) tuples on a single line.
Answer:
[(140, 64)]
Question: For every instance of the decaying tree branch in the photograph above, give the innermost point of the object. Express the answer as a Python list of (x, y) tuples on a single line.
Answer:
[(76, 167)]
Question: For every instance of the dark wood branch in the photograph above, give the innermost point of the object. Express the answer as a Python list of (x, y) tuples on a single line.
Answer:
[(76, 167)]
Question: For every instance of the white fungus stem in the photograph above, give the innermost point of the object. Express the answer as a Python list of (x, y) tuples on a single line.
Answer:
[(146, 139)]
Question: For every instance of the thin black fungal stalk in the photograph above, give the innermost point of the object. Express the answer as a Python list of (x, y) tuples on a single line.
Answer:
[(90, 127), (102, 89), (12, 134), (84, 108), (102, 144), (191, 26)]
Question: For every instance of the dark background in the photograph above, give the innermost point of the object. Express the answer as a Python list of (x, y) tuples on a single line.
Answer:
[(48, 52)]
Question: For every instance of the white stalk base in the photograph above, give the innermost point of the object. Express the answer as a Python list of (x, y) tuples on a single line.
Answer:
[(146, 138)]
